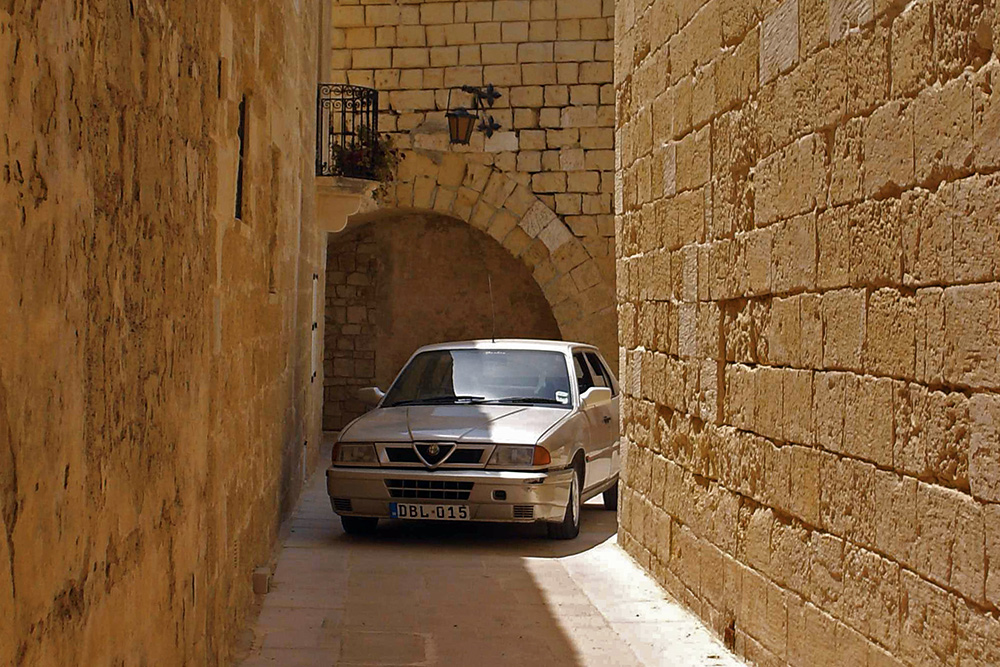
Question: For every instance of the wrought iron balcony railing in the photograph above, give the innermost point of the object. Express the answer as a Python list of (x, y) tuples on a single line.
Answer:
[(347, 139)]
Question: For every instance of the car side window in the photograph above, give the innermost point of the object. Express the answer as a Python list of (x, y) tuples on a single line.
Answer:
[(602, 375), (599, 379), (584, 380), (602, 369)]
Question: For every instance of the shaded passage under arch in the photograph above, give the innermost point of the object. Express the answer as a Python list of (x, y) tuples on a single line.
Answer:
[(413, 279)]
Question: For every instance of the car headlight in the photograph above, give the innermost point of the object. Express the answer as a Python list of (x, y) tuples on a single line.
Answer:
[(349, 453), (515, 456)]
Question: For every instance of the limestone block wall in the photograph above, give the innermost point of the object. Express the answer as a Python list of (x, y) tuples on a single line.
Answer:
[(808, 231), (553, 159), (155, 354), (351, 313)]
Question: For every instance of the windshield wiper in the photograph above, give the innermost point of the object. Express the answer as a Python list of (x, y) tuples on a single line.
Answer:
[(439, 400), (526, 399)]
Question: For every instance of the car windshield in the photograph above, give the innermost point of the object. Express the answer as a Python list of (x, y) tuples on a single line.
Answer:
[(526, 377)]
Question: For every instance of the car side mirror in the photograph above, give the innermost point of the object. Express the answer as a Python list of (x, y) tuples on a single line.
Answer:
[(594, 397), (371, 395)]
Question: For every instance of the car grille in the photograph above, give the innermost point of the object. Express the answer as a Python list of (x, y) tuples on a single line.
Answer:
[(462, 456), (428, 489), (466, 457), (342, 505), (524, 511), (401, 455)]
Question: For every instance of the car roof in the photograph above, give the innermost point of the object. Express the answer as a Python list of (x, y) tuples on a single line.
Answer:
[(508, 344)]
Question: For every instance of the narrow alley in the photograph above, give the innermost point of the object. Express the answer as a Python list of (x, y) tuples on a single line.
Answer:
[(470, 594), (698, 300)]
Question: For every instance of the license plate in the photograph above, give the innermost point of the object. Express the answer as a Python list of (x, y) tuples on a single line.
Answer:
[(424, 511)]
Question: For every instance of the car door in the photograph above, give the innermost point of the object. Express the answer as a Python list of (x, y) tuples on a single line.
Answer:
[(609, 415), (604, 422), (584, 381), (598, 420)]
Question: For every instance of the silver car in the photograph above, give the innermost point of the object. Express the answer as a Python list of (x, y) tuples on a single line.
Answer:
[(515, 431)]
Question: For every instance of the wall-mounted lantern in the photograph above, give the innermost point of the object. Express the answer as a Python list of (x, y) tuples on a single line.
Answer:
[(461, 121), (460, 124)]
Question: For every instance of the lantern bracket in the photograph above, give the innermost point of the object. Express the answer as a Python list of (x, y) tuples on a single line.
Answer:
[(488, 94), (461, 121), (488, 126)]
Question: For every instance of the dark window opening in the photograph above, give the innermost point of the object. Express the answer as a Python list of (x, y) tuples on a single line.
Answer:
[(241, 134)]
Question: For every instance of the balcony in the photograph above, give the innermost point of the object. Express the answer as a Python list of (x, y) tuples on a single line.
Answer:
[(350, 153), (347, 138)]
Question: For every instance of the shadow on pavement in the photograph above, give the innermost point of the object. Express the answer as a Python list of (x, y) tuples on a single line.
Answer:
[(440, 593), (597, 525), (430, 594)]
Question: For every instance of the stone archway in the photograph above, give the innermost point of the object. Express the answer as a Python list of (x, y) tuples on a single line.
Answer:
[(398, 280), (578, 286)]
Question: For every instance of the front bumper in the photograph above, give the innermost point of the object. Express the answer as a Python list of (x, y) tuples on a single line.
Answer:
[(528, 496)]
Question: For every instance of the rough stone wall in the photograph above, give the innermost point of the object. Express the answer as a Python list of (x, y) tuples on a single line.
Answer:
[(351, 312), (401, 281), (542, 185), (809, 307), (154, 351)]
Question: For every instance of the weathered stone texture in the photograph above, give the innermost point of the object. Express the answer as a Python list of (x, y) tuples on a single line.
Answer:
[(824, 454), (552, 62), (155, 352)]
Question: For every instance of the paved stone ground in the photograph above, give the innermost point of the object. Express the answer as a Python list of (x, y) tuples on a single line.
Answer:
[(467, 594)]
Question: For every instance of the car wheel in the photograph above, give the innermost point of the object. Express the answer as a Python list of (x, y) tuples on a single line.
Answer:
[(359, 525), (611, 498), (569, 527)]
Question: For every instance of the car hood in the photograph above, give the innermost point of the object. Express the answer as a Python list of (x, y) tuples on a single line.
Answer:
[(507, 424)]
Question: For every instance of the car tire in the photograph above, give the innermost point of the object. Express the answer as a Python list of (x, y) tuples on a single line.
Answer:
[(611, 498), (359, 525), (569, 527)]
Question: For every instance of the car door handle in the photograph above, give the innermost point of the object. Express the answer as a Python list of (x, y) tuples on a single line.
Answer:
[(607, 419)]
